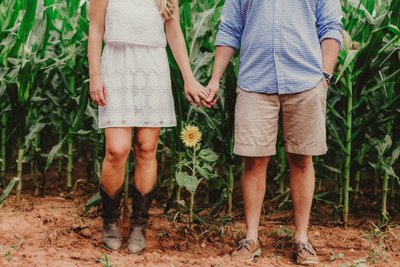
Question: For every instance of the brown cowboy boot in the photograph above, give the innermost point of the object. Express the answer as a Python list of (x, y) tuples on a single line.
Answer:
[(110, 213), (140, 217)]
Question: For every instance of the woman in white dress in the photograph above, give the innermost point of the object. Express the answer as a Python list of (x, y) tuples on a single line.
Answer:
[(130, 82)]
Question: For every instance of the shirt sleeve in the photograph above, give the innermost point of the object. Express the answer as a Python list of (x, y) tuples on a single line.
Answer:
[(231, 28), (329, 20)]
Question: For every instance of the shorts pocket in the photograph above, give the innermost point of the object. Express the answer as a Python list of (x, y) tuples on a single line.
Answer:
[(325, 84)]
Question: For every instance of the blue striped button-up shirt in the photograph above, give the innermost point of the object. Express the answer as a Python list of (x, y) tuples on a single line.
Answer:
[(280, 41)]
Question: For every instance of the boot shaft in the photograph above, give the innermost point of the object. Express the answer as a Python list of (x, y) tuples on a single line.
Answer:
[(110, 205), (140, 206)]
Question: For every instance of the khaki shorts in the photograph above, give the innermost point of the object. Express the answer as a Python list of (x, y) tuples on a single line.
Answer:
[(303, 119)]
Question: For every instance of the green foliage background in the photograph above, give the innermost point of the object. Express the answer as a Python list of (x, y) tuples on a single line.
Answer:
[(47, 121)]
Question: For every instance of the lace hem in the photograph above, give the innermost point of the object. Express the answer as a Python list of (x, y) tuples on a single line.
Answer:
[(140, 98)]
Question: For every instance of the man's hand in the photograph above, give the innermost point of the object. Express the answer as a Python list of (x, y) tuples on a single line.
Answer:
[(195, 92), (213, 89), (223, 55)]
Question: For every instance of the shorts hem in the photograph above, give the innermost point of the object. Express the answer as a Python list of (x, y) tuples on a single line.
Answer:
[(318, 150), (250, 151)]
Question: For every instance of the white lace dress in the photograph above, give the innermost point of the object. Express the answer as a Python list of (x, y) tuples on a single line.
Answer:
[(134, 67)]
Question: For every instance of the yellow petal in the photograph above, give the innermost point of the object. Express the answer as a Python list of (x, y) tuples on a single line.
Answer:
[(191, 135)]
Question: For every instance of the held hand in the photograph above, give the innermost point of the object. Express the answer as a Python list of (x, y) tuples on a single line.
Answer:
[(98, 90), (213, 89), (195, 92)]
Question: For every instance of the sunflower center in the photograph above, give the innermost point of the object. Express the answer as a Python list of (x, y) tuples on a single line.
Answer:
[(191, 135)]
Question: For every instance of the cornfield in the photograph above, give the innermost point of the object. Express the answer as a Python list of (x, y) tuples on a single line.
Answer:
[(48, 123)]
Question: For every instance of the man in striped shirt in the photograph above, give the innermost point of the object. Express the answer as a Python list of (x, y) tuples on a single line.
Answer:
[(288, 50)]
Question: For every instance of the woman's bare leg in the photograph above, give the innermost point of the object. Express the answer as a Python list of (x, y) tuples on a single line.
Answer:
[(118, 145), (145, 150)]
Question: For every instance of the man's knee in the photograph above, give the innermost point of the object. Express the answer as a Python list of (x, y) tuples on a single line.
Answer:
[(301, 162), (256, 163)]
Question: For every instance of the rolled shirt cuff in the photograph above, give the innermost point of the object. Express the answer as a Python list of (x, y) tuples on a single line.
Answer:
[(225, 39), (333, 34)]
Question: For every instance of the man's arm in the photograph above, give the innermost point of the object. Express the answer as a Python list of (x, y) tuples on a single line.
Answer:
[(223, 55), (228, 40), (330, 52), (329, 23)]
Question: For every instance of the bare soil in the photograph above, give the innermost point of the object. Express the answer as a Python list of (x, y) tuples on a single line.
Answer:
[(50, 232)]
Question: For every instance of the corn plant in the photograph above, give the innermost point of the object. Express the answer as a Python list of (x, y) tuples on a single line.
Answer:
[(3, 136), (23, 53), (387, 147), (357, 71), (387, 154), (71, 71)]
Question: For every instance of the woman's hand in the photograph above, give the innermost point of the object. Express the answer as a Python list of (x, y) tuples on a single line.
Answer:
[(195, 92), (98, 90)]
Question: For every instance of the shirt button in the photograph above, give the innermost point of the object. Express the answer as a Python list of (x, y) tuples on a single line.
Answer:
[(276, 39), (277, 22)]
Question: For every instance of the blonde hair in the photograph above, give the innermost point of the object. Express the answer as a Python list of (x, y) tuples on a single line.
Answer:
[(167, 7)]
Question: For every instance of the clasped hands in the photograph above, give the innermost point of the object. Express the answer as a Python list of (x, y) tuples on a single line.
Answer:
[(198, 94), (194, 91)]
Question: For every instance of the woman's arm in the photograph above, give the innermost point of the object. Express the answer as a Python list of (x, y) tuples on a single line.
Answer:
[(193, 89), (98, 91)]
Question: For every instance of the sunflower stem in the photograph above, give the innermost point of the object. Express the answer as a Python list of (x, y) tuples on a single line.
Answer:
[(178, 193), (192, 193)]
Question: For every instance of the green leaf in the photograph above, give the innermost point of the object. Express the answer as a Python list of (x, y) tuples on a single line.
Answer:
[(389, 170), (28, 20), (395, 155), (384, 146), (189, 182), (336, 114), (33, 132), (203, 172), (56, 149), (92, 113), (208, 155), (350, 57), (394, 76), (95, 200), (84, 25), (7, 190), (359, 6), (82, 132), (83, 102), (320, 197), (394, 29), (331, 168)]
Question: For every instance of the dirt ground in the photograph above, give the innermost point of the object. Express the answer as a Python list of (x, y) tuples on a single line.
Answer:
[(49, 232)]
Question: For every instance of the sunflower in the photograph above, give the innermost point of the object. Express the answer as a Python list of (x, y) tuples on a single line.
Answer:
[(191, 135)]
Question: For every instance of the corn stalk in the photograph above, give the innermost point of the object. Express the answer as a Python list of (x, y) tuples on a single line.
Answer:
[(3, 134), (347, 163)]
